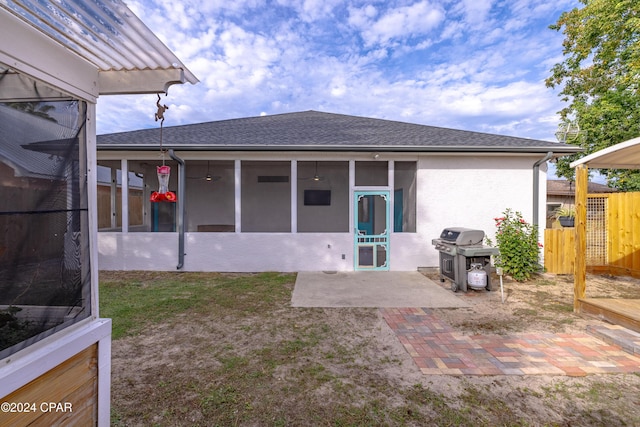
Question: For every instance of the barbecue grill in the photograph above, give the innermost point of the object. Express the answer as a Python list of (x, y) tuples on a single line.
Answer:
[(461, 252)]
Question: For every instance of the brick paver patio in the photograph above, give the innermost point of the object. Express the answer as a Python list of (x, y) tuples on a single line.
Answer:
[(438, 349)]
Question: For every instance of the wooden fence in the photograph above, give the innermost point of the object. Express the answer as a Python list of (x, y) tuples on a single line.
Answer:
[(613, 237), (136, 201), (559, 250)]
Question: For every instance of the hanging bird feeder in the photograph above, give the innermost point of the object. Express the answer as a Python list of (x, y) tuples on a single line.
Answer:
[(164, 172), (163, 194)]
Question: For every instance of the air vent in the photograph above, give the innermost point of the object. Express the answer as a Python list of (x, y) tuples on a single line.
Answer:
[(273, 178)]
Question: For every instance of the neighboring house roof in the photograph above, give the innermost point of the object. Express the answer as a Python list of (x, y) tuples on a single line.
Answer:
[(19, 131), (313, 130), (567, 188), (105, 33)]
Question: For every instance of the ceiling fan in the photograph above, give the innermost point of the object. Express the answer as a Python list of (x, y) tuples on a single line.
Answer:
[(208, 177), (315, 177)]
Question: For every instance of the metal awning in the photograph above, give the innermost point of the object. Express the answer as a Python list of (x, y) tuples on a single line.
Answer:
[(625, 155), (106, 34)]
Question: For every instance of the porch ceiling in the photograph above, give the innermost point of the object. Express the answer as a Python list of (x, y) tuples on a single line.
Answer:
[(625, 155)]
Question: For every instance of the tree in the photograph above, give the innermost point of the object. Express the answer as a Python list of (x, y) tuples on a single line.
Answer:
[(599, 78)]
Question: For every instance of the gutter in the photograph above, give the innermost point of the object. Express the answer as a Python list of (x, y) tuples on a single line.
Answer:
[(536, 186), (467, 149), (181, 195)]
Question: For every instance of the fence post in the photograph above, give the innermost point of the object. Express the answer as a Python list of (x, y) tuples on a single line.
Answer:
[(580, 276)]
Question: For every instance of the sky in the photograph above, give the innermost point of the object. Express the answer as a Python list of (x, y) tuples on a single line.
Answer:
[(475, 65)]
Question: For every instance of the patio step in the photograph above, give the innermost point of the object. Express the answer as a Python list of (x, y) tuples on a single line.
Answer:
[(618, 335)]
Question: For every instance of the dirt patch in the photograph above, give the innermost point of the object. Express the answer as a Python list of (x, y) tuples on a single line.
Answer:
[(541, 305), (234, 365)]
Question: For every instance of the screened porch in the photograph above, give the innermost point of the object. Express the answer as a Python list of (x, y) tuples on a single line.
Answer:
[(251, 196)]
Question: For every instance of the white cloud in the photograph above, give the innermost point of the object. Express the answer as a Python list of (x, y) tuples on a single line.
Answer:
[(469, 64), (400, 23), (476, 11), (311, 10)]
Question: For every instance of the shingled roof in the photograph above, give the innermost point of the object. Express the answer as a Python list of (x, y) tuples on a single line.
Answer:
[(319, 131), (561, 187)]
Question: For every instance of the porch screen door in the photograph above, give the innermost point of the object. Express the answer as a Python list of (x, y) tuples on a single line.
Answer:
[(372, 230)]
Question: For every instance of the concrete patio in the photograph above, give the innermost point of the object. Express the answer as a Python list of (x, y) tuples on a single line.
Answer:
[(371, 289)]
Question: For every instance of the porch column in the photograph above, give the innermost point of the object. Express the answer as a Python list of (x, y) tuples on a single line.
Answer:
[(114, 198), (392, 188), (124, 167), (580, 274), (352, 183), (294, 196), (238, 189)]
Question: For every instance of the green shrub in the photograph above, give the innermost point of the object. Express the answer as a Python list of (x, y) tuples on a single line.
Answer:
[(517, 241)]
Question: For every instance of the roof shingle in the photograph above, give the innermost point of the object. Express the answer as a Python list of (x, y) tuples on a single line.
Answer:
[(313, 130)]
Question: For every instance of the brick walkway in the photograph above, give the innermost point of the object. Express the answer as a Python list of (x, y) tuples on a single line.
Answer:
[(438, 349)]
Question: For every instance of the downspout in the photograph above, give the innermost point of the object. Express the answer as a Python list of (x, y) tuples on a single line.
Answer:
[(181, 196), (536, 186)]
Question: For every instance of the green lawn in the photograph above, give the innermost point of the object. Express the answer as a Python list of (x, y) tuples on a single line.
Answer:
[(206, 349)]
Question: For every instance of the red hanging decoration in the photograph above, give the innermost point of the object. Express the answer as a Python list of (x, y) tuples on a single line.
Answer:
[(163, 194)]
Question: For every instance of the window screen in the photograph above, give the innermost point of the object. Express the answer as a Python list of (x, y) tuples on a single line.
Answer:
[(44, 237)]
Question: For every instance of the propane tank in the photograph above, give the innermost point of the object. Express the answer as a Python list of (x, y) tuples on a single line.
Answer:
[(477, 277)]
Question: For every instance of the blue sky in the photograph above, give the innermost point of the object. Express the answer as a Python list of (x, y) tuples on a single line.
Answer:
[(466, 64)]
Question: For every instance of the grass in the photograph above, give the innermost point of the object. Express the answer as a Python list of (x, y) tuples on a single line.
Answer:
[(206, 349), (140, 299)]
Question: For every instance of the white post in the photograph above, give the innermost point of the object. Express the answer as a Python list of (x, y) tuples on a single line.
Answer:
[(114, 198), (124, 167), (391, 182), (238, 190), (294, 196), (352, 184)]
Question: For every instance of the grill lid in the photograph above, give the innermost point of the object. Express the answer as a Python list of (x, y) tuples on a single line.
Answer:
[(462, 236)]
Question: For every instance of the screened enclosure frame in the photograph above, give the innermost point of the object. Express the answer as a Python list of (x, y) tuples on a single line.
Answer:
[(45, 276), (250, 195)]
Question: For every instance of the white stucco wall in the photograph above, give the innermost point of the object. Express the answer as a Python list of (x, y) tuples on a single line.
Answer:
[(453, 190), (228, 252), (470, 192)]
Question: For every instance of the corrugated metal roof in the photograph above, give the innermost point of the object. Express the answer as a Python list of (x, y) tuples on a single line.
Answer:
[(314, 130), (104, 32)]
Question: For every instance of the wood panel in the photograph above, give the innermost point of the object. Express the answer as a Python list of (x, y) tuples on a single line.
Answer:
[(623, 219), (136, 201), (580, 270), (622, 238), (74, 382), (623, 312), (559, 250), (613, 271)]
